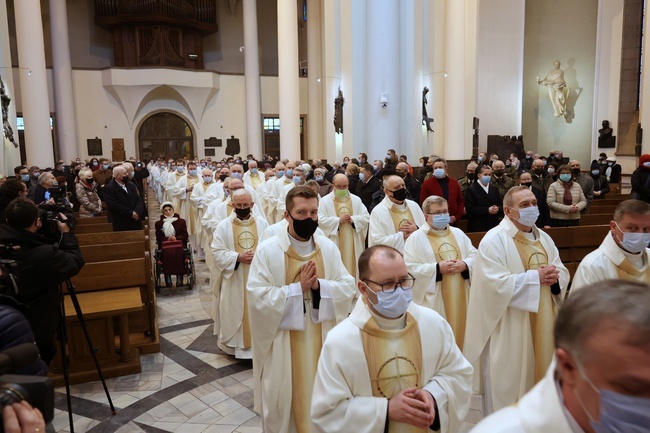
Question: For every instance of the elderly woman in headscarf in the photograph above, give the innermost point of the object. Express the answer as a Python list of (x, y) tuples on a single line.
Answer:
[(170, 227)]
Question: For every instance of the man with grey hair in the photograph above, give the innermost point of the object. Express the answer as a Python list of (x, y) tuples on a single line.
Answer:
[(623, 253), (541, 180), (440, 257), (585, 181), (600, 377), (123, 202), (395, 218), (252, 177), (344, 219), (233, 248), (512, 307), (46, 180), (469, 178)]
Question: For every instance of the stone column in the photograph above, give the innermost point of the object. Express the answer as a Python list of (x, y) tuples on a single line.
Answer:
[(10, 156), (317, 142), (383, 77), (454, 131), (289, 98), (33, 83), (252, 77), (66, 123)]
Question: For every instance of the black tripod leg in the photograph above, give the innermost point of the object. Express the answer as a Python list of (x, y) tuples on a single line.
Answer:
[(75, 302), (64, 363)]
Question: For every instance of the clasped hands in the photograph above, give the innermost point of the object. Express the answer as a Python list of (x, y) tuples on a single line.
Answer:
[(345, 219), (548, 275), (407, 228), (413, 406), (246, 257), (308, 276), (452, 267)]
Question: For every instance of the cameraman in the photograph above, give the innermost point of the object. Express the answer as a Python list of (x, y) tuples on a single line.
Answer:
[(42, 266)]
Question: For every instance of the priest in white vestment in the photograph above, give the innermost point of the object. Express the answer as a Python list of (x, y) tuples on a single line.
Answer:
[(253, 177), (233, 248), (196, 201), (216, 190), (271, 191), (172, 179), (395, 218), (298, 179), (440, 257), (298, 289), (182, 192), (344, 219), (519, 282), (392, 366), (624, 253), (599, 380)]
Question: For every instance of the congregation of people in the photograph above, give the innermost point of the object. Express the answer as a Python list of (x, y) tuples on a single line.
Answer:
[(355, 288)]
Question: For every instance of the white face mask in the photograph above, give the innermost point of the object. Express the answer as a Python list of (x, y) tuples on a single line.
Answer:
[(634, 242), (392, 304), (528, 215)]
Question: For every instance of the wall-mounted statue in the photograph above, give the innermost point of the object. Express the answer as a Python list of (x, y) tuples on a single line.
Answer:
[(426, 120), (557, 89), (338, 112), (5, 100), (606, 138)]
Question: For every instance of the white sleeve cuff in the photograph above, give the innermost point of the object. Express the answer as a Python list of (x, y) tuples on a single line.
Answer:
[(526, 294), (326, 309), (293, 318)]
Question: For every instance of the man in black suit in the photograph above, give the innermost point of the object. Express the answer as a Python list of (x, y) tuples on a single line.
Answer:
[(123, 201), (368, 184)]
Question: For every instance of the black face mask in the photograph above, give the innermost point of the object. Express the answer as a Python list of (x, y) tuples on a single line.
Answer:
[(306, 228), (243, 213), (526, 184), (400, 194), (539, 171), (222, 177), (498, 172), (576, 171), (471, 176)]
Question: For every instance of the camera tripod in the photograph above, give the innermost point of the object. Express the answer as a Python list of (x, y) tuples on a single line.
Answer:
[(93, 350)]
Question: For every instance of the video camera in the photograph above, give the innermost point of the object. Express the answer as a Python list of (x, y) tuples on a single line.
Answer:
[(38, 391), (8, 269), (49, 213)]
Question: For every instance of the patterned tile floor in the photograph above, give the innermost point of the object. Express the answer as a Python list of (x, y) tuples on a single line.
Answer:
[(190, 386)]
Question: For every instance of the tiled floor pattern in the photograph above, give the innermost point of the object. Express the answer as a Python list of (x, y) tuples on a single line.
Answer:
[(190, 386)]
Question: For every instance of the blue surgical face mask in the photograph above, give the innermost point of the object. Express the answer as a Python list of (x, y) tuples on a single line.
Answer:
[(440, 221), (132, 174), (439, 173), (528, 215), (180, 168), (318, 178), (207, 179), (565, 177), (280, 173), (362, 177), (595, 172), (619, 413), (485, 179), (634, 242), (236, 175), (106, 166), (297, 179), (392, 304), (254, 170), (289, 172), (24, 177), (192, 172)]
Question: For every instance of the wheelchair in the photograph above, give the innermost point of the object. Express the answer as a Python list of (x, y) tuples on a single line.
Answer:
[(174, 258)]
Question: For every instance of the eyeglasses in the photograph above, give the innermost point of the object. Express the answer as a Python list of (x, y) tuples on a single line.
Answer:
[(405, 283), (437, 213)]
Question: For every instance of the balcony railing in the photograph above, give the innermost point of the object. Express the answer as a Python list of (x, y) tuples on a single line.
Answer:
[(197, 10)]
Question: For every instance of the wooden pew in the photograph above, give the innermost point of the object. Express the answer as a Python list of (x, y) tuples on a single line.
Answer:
[(597, 208), (126, 283), (108, 252), (595, 219), (93, 220), (93, 228), (111, 237)]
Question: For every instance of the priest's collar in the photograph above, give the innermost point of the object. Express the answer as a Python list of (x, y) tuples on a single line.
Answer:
[(385, 323)]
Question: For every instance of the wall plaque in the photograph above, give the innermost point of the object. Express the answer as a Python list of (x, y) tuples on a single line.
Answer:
[(212, 142), (94, 146)]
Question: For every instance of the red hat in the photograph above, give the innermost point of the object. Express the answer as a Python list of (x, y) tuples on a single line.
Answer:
[(644, 158)]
